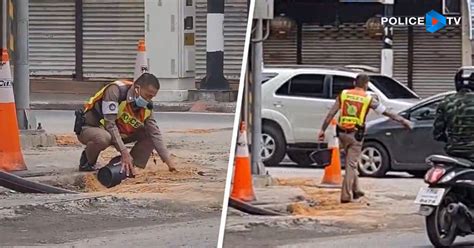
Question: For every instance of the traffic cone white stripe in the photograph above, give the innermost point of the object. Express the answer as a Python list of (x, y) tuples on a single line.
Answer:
[(242, 148), (141, 64), (333, 141), (6, 84), (6, 94)]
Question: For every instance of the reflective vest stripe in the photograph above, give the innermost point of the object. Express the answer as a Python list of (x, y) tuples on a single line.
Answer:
[(354, 108), (100, 94)]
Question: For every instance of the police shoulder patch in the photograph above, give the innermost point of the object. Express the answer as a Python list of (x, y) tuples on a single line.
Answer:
[(109, 107)]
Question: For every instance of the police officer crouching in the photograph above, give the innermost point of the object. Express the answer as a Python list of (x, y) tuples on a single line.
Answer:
[(354, 105), (120, 113)]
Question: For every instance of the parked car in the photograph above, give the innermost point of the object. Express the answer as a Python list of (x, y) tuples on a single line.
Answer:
[(295, 102), (390, 147)]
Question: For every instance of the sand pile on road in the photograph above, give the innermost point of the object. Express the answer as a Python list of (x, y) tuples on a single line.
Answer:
[(152, 179), (67, 140), (296, 182), (319, 201), (327, 202)]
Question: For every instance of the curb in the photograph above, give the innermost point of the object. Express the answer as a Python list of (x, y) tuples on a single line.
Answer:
[(218, 107)]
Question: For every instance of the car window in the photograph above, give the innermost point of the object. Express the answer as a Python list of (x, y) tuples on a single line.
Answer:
[(309, 85), (283, 90), (340, 83), (391, 88), (425, 112)]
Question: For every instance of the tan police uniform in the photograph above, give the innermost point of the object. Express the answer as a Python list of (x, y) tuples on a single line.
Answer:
[(353, 106), (111, 118)]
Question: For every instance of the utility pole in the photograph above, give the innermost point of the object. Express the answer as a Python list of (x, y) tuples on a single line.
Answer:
[(21, 75), (257, 167), (387, 51), (263, 11), (4, 24), (215, 79)]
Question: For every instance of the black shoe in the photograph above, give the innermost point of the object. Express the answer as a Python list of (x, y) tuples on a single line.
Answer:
[(345, 201), (358, 195), (84, 164)]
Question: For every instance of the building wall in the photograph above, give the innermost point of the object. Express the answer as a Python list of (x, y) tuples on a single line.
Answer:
[(111, 30)]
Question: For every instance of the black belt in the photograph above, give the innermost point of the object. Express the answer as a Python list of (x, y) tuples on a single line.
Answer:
[(340, 130)]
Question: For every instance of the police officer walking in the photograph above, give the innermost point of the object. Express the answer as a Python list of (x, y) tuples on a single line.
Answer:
[(454, 123), (354, 105), (120, 113)]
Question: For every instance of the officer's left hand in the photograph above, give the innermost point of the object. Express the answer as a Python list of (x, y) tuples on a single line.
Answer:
[(171, 166), (408, 124)]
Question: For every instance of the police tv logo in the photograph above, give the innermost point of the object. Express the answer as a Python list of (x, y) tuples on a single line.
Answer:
[(433, 21)]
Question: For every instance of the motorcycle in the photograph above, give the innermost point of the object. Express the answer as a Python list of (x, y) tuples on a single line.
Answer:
[(448, 201)]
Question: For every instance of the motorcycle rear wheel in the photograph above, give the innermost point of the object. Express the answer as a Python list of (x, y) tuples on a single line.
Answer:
[(439, 225)]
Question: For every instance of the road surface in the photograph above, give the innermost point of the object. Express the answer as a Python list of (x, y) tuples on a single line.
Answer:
[(400, 238), (62, 121), (156, 209), (385, 218)]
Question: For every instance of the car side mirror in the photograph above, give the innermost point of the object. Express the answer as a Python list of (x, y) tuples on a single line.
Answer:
[(423, 115), (405, 115)]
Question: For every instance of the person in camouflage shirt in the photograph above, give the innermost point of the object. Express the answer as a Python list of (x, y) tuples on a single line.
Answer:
[(454, 123)]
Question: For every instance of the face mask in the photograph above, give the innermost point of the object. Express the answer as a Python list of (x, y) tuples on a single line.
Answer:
[(140, 101)]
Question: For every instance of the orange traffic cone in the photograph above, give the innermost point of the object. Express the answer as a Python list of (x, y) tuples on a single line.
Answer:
[(332, 173), (11, 158), (141, 64), (243, 187)]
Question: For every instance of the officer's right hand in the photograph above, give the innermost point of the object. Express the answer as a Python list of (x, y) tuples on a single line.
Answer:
[(127, 163)]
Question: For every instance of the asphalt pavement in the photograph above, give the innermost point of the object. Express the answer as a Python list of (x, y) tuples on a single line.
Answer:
[(401, 238), (62, 121), (160, 209), (388, 219)]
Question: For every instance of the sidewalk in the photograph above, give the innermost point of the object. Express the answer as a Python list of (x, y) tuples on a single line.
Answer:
[(67, 94)]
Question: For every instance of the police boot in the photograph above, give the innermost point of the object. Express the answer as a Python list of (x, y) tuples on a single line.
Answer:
[(358, 195), (84, 164)]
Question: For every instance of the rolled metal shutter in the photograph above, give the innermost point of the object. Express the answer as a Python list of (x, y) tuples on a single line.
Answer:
[(400, 54), (347, 44), (112, 29), (201, 33), (437, 56), (280, 50), (52, 38), (235, 27)]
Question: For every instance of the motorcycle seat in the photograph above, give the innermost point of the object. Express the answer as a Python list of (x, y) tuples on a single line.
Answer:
[(449, 160)]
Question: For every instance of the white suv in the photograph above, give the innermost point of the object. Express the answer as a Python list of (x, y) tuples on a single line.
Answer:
[(295, 103)]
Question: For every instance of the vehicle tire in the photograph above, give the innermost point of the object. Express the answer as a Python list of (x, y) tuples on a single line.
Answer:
[(300, 157), (437, 238), (417, 174), (374, 161), (273, 145)]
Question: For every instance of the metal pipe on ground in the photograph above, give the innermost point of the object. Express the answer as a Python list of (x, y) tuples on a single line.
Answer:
[(22, 185), (250, 209)]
